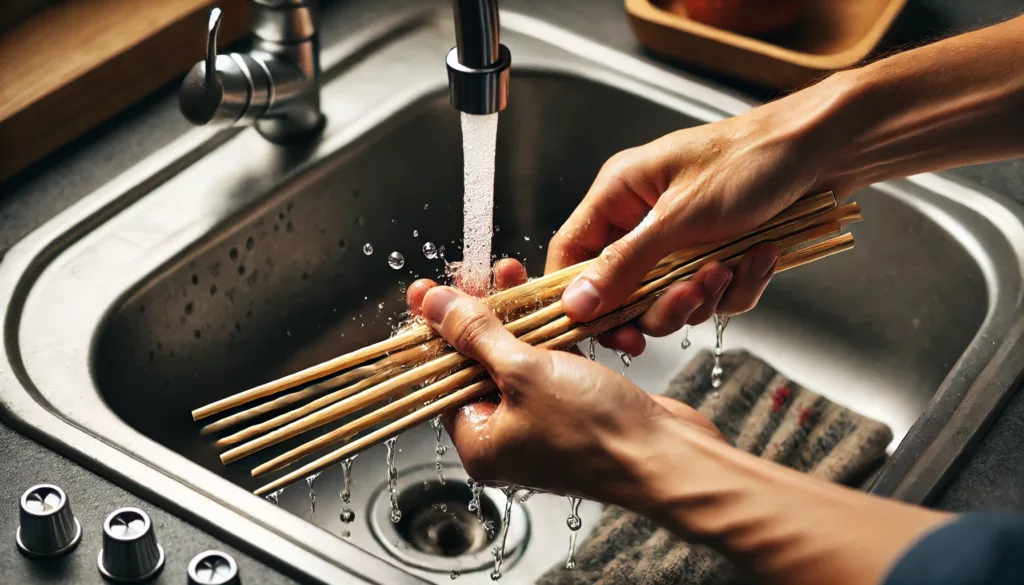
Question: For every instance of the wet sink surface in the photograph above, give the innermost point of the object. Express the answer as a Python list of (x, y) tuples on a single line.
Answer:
[(248, 263)]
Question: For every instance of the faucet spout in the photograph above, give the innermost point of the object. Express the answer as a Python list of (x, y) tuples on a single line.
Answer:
[(478, 65)]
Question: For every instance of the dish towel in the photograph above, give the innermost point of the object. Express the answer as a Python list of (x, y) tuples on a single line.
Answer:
[(760, 411)]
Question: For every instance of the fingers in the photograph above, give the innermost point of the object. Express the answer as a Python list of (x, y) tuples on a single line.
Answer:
[(414, 296), (508, 272), (749, 279), (477, 333), (615, 204), (626, 338), (613, 275), (714, 279), (673, 308)]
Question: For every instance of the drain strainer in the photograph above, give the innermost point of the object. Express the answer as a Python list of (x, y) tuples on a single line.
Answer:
[(437, 531)]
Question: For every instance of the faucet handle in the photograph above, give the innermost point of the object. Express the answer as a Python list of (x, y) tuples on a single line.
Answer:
[(217, 88), (212, 28)]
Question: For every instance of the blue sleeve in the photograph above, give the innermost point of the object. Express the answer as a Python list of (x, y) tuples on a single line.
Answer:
[(974, 549)]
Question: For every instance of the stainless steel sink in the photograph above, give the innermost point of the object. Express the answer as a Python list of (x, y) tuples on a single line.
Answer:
[(225, 261)]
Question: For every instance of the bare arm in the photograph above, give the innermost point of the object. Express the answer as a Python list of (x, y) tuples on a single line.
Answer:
[(959, 101)]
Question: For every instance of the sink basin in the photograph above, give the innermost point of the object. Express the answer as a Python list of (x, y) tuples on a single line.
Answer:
[(225, 261)]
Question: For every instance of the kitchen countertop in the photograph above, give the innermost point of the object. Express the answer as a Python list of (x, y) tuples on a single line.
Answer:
[(993, 478)]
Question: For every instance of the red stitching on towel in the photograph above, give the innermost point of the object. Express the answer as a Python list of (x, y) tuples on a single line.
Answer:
[(779, 398)]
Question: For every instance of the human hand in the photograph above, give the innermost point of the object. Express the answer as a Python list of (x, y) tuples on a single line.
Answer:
[(563, 423), (694, 186)]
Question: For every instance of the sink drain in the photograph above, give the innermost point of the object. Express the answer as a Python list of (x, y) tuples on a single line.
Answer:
[(437, 531)]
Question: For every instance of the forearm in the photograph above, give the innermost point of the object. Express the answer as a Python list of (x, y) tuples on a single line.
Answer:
[(956, 102), (783, 526)]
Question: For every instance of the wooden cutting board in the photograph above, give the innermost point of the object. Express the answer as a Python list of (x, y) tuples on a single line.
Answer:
[(79, 62)]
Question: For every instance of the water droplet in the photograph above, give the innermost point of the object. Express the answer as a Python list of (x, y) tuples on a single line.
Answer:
[(396, 513), (367, 249), (627, 360), (233, 253), (347, 515), (527, 238), (346, 475), (455, 574), (429, 250), (415, 233), (716, 371), (396, 260), (426, 206), (439, 450), (361, 220), (250, 244), (275, 497), (685, 343)]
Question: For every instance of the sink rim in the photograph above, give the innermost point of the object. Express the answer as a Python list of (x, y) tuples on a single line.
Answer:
[(26, 407)]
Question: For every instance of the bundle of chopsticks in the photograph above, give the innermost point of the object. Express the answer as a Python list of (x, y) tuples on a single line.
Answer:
[(414, 376)]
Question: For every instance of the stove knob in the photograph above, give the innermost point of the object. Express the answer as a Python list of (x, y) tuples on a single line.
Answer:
[(47, 526), (213, 567), (130, 552)]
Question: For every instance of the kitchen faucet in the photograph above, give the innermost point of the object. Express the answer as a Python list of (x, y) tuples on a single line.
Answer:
[(276, 86), (478, 66)]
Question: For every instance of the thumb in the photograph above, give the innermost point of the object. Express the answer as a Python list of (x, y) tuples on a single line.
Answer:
[(472, 329), (616, 273)]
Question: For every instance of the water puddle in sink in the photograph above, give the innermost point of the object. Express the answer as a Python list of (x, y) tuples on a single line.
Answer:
[(479, 141), (574, 523)]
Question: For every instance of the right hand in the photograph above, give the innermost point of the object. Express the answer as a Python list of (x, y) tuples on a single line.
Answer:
[(694, 186)]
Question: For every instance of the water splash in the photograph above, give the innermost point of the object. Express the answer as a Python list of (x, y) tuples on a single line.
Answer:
[(627, 360), (439, 449), (430, 250), (275, 497), (716, 370), (574, 523), (312, 495), (498, 552), (396, 513), (479, 140), (685, 343), (475, 489)]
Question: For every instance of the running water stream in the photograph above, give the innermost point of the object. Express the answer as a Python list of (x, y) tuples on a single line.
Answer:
[(347, 514), (479, 141), (439, 449), (396, 512)]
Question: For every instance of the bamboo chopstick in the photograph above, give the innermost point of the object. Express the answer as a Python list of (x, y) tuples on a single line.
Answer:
[(540, 335), (788, 261), (510, 299), (362, 395)]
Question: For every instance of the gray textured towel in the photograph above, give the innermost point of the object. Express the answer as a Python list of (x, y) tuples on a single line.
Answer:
[(760, 411)]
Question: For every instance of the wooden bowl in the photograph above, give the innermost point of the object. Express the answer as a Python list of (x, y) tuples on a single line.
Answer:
[(828, 35)]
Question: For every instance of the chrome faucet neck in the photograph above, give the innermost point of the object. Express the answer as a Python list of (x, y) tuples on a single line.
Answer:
[(276, 86), (478, 66)]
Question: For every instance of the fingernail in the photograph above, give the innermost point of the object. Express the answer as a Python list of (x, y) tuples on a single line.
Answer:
[(581, 298), (763, 264), (718, 280), (436, 304)]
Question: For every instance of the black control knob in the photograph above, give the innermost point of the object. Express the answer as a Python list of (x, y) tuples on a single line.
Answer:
[(213, 567), (47, 526), (130, 552)]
